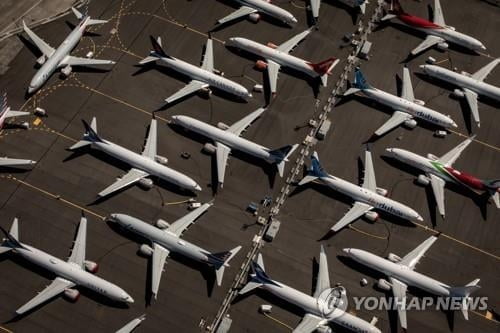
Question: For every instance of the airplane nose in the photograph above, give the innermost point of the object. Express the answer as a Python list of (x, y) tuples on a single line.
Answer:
[(128, 299), (420, 218), (293, 20), (390, 151), (347, 251), (197, 187)]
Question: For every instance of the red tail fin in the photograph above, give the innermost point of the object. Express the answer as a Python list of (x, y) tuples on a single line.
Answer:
[(324, 67), (396, 8)]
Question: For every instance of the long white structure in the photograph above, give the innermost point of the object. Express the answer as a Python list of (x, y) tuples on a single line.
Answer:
[(253, 8)]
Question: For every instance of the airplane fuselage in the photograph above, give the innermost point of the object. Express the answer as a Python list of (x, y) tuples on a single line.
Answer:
[(268, 8)]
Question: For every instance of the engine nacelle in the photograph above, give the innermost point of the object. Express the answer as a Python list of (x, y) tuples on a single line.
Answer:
[(384, 284), (41, 60), (466, 73), (451, 28), (393, 257), (222, 126), (162, 224), (371, 216), (458, 93), (146, 183), (272, 45), (161, 159), (324, 329), (432, 157), (260, 65), (91, 267), (410, 123), (145, 250), (381, 191), (66, 71), (72, 295), (423, 180), (442, 46), (254, 17), (419, 102), (209, 148), (206, 92)]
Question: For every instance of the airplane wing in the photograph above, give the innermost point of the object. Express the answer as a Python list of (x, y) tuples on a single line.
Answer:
[(483, 73), (407, 91), (241, 125), (160, 255), (356, 211), (134, 175), (13, 162), (184, 222), (57, 286), (471, 98), (450, 157), (369, 181), (77, 61), (132, 325), (222, 154), (323, 281), (12, 113), (150, 148), (308, 324), (273, 69), (208, 57), (45, 48), (437, 185), (399, 292), (428, 42), (190, 88), (397, 118), (288, 46), (314, 4), (438, 14), (242, 11), (411, 259), (77, 255)]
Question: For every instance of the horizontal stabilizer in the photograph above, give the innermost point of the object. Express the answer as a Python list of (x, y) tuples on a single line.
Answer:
[(351, 91), (224, 259), (281, 156)]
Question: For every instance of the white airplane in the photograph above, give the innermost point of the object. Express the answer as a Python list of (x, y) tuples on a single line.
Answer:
[(252, 8), (327, 305), (53, 59), (15, 162), (438, 33), (76, 272), (471, 85), (406, 107), (401, 274), (201, 77), (367, 197), (144, 165), (361, 4), (228, 137), (132, 325), (165, 238), (439, 170), (276, 56)]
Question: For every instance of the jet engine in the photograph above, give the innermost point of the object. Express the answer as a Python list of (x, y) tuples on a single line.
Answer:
[(222, 126), (410, 123), (41, 60), (384, 284), (254, 17), (145, 250), (91, 267), (206, 92), (162, 224), (458, 93), (324, 329), (442, 46), (66, 71), (371, 216), (423, 180), (260, 65), (161, 159), (72, 295), (419, 102), (432, 157), (381, 191), (146, 183), (393, 257), (209, 148), (272, 45)]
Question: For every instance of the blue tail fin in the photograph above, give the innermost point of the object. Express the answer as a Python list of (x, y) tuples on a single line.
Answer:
[(258, 277), (316, 169), (91, 131), (359, 80)]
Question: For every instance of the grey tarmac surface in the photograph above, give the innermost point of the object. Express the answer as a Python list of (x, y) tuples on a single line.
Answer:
[(122, 100)]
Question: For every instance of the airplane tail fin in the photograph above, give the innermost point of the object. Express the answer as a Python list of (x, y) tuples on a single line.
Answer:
[(156, 53), (324, 68), (360, 80), (465, 292), (221, 261), (89, 136), (281, 156), (11, 239), (80, 16), (258, 276), (314, 172)]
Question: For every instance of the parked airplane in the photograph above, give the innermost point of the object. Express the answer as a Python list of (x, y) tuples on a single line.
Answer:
[(253, 8), (76, 272), (406, 107), (276, 56), (228, 137), (166, 238), (366, 197), (53, 59), (327, 305), (438, 33), (144, 165), (439, 170), (401, 274), (6, 112), (361, 4), (15, 162), (201, 77), (470, 85)]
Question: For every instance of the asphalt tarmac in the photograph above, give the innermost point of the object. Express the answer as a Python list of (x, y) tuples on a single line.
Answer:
[(49, 198)]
